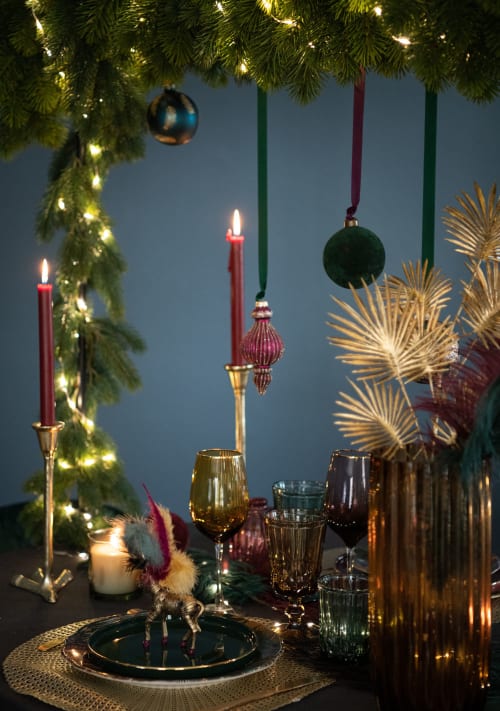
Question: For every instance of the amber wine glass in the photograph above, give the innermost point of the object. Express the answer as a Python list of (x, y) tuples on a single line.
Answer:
[(218, 504)]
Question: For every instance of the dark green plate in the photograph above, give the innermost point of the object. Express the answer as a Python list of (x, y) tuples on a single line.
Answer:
[(223, 644), (76, 651)]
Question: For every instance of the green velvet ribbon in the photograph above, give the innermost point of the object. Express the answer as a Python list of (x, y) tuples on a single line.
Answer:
[(262, 188), (429, 187)]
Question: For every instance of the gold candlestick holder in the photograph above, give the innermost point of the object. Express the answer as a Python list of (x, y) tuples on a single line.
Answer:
[(238, 377), (42, 581)]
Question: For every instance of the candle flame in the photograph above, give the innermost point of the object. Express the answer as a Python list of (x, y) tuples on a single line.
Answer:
[(236, 223), (45, 271)]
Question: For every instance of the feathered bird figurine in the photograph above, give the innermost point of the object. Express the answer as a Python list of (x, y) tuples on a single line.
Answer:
[(169, 573)]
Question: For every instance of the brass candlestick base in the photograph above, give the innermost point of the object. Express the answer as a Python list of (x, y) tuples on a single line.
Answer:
[(42, 582), (238, 377)]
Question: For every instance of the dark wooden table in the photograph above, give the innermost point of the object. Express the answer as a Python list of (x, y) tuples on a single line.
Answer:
[(24, 615)]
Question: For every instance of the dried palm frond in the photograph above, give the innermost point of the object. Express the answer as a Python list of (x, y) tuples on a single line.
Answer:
[(481, 302), (425, 286), (476, 226), (379, 417), (388, 336), (397, 332)]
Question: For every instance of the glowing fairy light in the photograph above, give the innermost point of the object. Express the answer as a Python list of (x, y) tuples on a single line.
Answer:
[(96, 181), (61, 204), (88, 461), (95, 150), (377, 10), (405, 41), (108, 457), (89, 216), (69, 510), (105, 234)]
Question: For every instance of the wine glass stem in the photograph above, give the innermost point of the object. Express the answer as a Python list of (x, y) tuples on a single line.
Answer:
[(349, 559), (219, 595)]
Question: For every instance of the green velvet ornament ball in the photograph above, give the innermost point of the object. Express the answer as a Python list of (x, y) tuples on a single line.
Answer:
[(353, 255)]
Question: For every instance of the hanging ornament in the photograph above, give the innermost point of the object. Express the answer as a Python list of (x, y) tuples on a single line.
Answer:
[(172, 118), (262, 346), (354, 254)]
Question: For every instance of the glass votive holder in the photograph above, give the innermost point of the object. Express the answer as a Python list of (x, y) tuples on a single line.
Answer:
[(306, 494), (249, 544), (343, 617), (109, 577)]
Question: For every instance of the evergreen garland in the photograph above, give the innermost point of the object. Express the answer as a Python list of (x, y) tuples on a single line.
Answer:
[(58, 59), (240, 583)]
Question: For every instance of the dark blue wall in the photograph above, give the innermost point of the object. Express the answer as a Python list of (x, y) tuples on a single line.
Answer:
[(171, 211)]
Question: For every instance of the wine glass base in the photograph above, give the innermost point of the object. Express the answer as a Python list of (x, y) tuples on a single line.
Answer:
[(223, 608), (304, 630)]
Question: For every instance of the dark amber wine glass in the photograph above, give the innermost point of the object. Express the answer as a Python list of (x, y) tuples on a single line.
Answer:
[(347, 484), (218, 504)]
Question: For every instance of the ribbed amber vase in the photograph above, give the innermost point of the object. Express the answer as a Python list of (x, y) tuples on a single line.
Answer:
[(430, 585)]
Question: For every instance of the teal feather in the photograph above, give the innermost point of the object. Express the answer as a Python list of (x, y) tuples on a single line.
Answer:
[(143, 547), (484, 439)]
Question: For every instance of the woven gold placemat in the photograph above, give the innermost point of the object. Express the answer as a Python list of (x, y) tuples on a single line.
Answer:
[(48, 676)]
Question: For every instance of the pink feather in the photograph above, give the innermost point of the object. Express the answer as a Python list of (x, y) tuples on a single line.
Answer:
[(161, 534)]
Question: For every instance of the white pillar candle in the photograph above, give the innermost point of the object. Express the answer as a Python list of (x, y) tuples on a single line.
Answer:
[(108, 572)]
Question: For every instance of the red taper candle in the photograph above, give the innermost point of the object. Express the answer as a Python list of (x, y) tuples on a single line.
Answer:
[(235, 268), (46, 349)]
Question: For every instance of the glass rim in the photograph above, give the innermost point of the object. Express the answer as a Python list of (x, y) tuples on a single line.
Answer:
[(352, 582), (282, 516), (295, 484), (220, 453), (102, 535), (351, 453)]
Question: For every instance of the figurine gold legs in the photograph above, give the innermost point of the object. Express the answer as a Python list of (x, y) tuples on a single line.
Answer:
[(42, 581)]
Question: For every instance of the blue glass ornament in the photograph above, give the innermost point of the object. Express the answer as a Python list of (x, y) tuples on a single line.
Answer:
[(172, 118)]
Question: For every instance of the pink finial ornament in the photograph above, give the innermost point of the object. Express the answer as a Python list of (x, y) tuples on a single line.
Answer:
[(262, 346)]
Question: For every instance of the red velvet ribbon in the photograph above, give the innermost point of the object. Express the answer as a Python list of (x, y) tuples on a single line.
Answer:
[(357, 144)]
